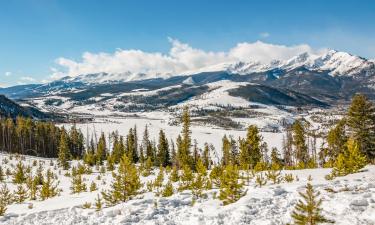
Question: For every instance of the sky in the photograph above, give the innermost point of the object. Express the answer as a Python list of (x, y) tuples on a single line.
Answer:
[(42, 40)]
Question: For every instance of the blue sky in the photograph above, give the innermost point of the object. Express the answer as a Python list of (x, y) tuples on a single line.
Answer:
[(35, 33)]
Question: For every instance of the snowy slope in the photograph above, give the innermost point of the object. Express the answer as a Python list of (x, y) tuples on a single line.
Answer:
[(348, 200)]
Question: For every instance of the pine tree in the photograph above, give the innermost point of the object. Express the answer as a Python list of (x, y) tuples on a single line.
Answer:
[(164, 158), (118, 148), (98, 203), (5, 199), (198, 185), (32, 186), (2, 175), (184, 141), (336, 141), (101, 150), (131, 148), (174, 177), (226, 149), (260, 180), (158, 183), (206, 156), (350, 161), (308, 211), (299, 141), (49, 186), (147, 146), (274, 175), (231, 189), (215, 175), (77, 184), (168, 190), (288, 148), (20, 194), (250, 152), (361, 121), (64, 152), (19, 177), (275, 158), (126, 183), (186, 178), (147, 167)]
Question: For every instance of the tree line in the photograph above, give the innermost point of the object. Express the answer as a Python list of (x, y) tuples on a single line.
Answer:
[(38, 138)]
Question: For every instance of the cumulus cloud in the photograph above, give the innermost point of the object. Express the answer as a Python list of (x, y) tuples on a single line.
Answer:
[(180, 58)]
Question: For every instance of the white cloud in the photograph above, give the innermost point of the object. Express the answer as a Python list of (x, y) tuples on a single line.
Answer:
[(264, 35), (7, 74), (181, 58), (27, 79)]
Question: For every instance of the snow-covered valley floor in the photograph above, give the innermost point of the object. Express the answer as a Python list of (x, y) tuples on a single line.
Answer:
[(346, 200)]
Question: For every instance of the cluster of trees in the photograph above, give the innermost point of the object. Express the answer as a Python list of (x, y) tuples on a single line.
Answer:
[(350, 145), (37, 138), (40, 185)]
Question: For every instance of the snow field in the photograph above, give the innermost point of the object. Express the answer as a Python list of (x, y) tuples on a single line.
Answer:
[(347, 200)]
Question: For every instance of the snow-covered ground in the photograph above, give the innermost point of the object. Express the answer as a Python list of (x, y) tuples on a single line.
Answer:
[(159, 120), (346, 200)]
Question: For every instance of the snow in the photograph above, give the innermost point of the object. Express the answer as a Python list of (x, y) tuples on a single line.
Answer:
[(159, 120), (218, 95), (348, 200), (338, 63)]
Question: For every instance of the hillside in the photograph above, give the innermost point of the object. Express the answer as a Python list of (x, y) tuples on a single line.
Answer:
[(9, 108)]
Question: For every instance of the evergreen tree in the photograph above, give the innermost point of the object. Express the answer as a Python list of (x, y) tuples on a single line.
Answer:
[(174, 177), (350, 161), (118, 148), (231, 189), (2, 175), (186, 178), (126, 183), (250, 153), (77, 184), (275, 158), (299, 141), (101, 150), (131, 148), (184, 141), (64, 152), (147, 146), (226, 151), (164, 158), (98, 203), (158, 183), (336, 141), (361, 121), (206, 156), (32, 186), (308, 211), (49, 186), (5, 199), (20, 194), (76, 142), (168, 190), (288, 148), (19, 176)]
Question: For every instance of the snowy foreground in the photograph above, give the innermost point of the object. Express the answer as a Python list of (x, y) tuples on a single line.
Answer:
[(347, 200)]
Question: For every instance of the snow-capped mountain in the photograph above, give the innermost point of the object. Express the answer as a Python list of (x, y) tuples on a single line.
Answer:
[(335, 62), (306, 79)]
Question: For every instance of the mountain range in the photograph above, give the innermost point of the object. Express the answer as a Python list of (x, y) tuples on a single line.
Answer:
[(330, 78)]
